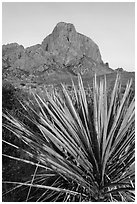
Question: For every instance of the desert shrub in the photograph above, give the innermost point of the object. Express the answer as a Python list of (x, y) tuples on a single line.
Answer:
[(8, 95), (10, 104), (82, 154), (13, 100)]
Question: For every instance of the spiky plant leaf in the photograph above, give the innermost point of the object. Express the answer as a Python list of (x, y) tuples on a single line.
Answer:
[(84, 152)]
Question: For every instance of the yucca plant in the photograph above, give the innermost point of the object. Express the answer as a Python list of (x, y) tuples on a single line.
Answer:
[(81, 151)]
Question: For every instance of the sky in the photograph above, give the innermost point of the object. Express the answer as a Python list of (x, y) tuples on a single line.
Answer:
[(111, 25)]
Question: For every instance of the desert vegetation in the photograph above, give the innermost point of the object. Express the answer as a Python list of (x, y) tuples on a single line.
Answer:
[(74, 149)]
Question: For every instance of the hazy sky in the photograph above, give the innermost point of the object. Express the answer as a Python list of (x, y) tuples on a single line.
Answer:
[(110, 25)]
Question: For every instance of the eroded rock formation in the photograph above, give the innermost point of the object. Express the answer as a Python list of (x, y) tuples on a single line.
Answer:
[(64, 49)]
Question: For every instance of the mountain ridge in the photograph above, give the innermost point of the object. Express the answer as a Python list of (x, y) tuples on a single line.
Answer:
[(64, 48), (59, 58)]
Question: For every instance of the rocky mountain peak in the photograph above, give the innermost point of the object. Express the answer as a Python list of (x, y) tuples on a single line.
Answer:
[(63, 49), (63, 27), (69, 46)]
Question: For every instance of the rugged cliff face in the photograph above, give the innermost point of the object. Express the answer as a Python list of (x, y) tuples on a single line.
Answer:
[(63, 50), (69, 46)]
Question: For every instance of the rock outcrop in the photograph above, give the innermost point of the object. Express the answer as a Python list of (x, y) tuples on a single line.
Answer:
[(64, 49), (69, 46)]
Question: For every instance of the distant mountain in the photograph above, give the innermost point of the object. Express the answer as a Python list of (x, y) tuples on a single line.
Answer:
[(63, 50)]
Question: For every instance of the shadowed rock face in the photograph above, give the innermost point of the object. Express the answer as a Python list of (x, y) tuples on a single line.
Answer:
[(63, 49)]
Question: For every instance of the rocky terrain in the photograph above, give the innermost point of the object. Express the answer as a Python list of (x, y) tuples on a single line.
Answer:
[(63, 51), (61, 56)]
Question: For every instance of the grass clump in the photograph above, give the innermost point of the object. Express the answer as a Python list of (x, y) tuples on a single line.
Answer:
[(81, 152)]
